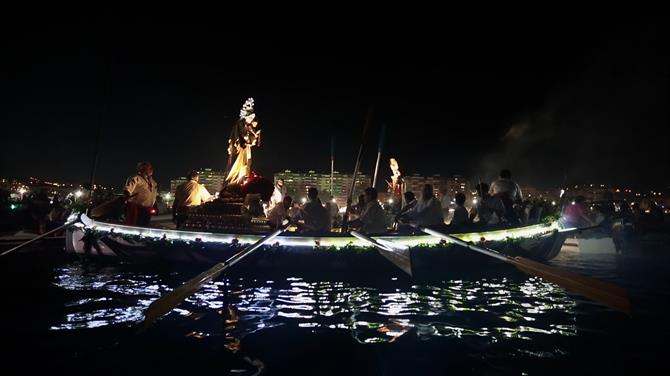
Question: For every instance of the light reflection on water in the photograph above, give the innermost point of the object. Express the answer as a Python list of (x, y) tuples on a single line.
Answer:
[(493, 310)]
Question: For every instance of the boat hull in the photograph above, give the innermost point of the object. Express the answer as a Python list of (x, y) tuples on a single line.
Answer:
[(289, 252)]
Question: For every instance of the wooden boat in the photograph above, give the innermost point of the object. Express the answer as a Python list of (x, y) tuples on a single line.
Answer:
[(293, 251)]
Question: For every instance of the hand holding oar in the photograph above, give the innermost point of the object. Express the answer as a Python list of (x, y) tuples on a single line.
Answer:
[(398, 255), (172, 299), (599, 291), (66, 225)]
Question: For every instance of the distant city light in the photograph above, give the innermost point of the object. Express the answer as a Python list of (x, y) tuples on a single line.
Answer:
[(78, 193), (474, 201), (553, 203), (334, 201), (390, 201), (562, 192), (573, 203), (304, 200), (22, 190)]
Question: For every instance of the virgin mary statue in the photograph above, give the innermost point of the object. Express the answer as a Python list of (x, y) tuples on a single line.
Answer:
[(245, 134)]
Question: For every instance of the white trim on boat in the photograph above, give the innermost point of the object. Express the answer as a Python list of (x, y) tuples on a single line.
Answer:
[(327, 241)]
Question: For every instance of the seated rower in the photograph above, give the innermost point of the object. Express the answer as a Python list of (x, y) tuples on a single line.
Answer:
[(279, 213), (316, 217), (427, 211), (460, 217), (372, 219), (410, 202), (187, 196)]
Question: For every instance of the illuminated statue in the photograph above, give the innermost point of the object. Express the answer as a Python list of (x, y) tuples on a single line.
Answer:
[(395, 186), (245, 134)]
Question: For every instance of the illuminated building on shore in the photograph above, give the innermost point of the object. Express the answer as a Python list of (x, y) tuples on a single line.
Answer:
[(454, 184), (297, 184)]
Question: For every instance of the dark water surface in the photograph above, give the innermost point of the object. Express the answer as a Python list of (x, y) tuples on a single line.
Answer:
[(65, 315)]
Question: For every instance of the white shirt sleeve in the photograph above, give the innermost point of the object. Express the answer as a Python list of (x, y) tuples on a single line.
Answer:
[(130, 184)]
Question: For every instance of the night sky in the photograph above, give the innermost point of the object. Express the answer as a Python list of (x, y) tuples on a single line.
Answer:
[(583, 99)]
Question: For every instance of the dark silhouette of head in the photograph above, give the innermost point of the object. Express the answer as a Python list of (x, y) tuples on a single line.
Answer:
[(460, 199), (370, 194), (288, 200), (312, 193), (409, 196), (505, 174)]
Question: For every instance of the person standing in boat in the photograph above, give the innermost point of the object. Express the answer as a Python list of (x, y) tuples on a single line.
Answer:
[(489, 210), (509, 192), (140, 192), (187, 196)]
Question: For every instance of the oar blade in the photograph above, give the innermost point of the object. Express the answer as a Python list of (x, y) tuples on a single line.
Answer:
[(397, 255), (602, 292), (400, 257), (171, 300), (599, 291)]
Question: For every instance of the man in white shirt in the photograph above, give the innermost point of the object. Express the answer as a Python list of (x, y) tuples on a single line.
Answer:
[(278, 193), (140, 192), (509, 192), (372, 219), (187, 196), (427, 211)]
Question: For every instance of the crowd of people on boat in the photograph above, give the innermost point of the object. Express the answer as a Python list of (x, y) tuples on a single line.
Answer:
[(498, 204)]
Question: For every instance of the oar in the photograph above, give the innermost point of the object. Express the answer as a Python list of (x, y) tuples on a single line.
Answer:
[(166, 303), (398, 255), (66, 225), (602, 292), (345, 218)]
